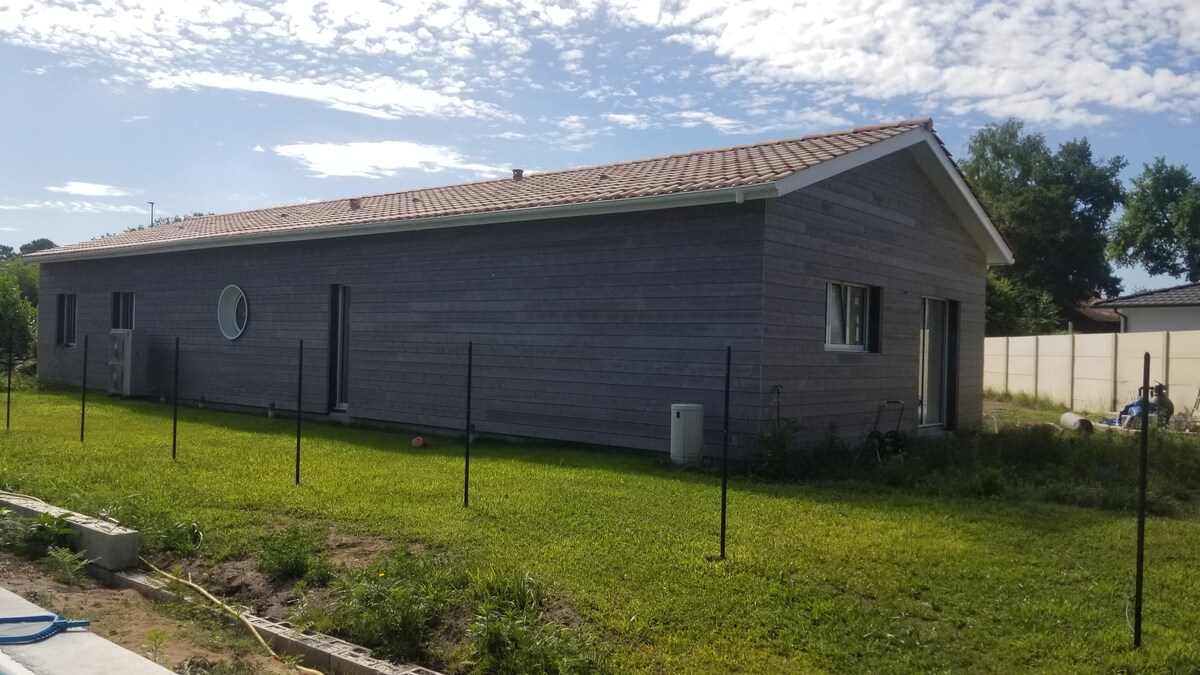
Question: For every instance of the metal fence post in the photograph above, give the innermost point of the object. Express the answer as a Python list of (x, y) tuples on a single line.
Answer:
[(725, 450), (1144, 402), (467, 454), (175, 404), (299, 403), (83, 391), (8, 399)]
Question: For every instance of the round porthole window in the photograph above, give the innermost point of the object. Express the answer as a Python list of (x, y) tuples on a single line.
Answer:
[(232, 311)]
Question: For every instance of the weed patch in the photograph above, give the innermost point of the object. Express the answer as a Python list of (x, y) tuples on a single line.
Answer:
[(295, 554)]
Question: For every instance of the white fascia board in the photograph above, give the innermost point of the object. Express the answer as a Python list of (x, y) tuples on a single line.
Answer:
[(933, 160), (725, 195)]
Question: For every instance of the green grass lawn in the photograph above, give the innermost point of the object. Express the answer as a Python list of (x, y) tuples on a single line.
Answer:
[(838, 577)]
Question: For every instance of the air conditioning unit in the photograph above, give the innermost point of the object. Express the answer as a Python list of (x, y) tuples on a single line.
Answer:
[(126, 363)]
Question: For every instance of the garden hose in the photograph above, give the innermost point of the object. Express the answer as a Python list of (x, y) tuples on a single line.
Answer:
[(235, 613)]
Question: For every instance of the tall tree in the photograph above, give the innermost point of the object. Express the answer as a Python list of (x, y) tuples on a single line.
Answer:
[(37, 245), (1052, 207), (1160, 228)]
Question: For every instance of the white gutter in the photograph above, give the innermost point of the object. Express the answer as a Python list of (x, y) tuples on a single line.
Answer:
[(313, 232)]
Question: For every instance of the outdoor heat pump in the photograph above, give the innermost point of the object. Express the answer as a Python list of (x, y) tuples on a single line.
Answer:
[(126, 363)]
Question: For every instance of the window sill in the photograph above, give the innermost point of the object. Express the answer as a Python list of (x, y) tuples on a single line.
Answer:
[(849, 349)]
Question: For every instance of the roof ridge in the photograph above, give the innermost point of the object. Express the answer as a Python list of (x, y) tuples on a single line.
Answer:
[(925, 122), (1153, 291)]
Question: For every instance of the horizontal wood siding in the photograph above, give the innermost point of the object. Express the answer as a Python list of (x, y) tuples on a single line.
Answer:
[(882, 224), (586, 330)]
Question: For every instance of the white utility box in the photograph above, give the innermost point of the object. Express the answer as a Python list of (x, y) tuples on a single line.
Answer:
[(687, 432)]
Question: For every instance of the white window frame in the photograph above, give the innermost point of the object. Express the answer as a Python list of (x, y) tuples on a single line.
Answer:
[(843, 308)]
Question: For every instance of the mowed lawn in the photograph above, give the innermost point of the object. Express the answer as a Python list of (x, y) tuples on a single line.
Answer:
[(836, 577)]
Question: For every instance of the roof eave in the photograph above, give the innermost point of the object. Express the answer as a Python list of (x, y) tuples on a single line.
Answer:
[(696, 198)]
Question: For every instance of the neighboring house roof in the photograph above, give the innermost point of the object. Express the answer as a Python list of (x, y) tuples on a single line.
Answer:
[(735, 174), (1090, 310), (1176, 296)]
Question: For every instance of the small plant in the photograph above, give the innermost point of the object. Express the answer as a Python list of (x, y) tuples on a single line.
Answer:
[(507, 592), (44, 533), (508, 643), (66, 566), (155, 641), (294, 554)]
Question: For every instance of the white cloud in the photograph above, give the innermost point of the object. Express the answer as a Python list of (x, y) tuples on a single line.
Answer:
[(692, 118), (374, 95), (1059, 63), (1048, 61), (259, 148), (378, 159), (629, 121), (136, 118), (70, 207), (82, 189)]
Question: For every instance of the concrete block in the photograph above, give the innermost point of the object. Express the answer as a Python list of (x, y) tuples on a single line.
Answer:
[(110, 546)]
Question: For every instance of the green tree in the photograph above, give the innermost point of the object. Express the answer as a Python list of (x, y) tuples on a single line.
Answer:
[(7, 252), (1016, 309), (1052, 207), (37, 245), (18, 319), (26, 276), (1160, 228)]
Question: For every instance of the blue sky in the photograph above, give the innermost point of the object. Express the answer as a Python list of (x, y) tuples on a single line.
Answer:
[(225, 105)]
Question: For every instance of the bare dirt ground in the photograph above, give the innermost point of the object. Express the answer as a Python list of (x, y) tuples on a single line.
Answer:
[(187, 640)]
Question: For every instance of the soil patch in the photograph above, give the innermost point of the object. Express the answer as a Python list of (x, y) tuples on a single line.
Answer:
[(125, 617)]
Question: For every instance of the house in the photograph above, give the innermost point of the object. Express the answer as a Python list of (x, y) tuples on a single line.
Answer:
[(1088, 318), (1175, 308), (843, 269)]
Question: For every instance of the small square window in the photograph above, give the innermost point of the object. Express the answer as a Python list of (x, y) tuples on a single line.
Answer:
[(851, 317), (64, 332), (122, 310)]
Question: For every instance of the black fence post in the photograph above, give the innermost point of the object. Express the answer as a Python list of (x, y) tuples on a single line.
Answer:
[(299, 403), (725, 449), (83, 391), (467, 453), (175, 404), (8, 399), (1141, 524)]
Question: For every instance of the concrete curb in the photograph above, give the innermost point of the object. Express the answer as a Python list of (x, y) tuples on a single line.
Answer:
[(114, 550), (316, 650)]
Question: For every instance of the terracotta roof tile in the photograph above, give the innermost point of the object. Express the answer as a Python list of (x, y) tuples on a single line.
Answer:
[(1187, 294), (724, 168)]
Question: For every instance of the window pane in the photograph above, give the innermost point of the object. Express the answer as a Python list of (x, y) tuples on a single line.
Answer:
[(835, 322), (856, 314)]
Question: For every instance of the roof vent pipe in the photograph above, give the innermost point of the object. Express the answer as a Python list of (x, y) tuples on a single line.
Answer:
[(518, 174)]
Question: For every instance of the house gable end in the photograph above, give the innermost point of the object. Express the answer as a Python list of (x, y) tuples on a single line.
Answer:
[(924, 147)]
